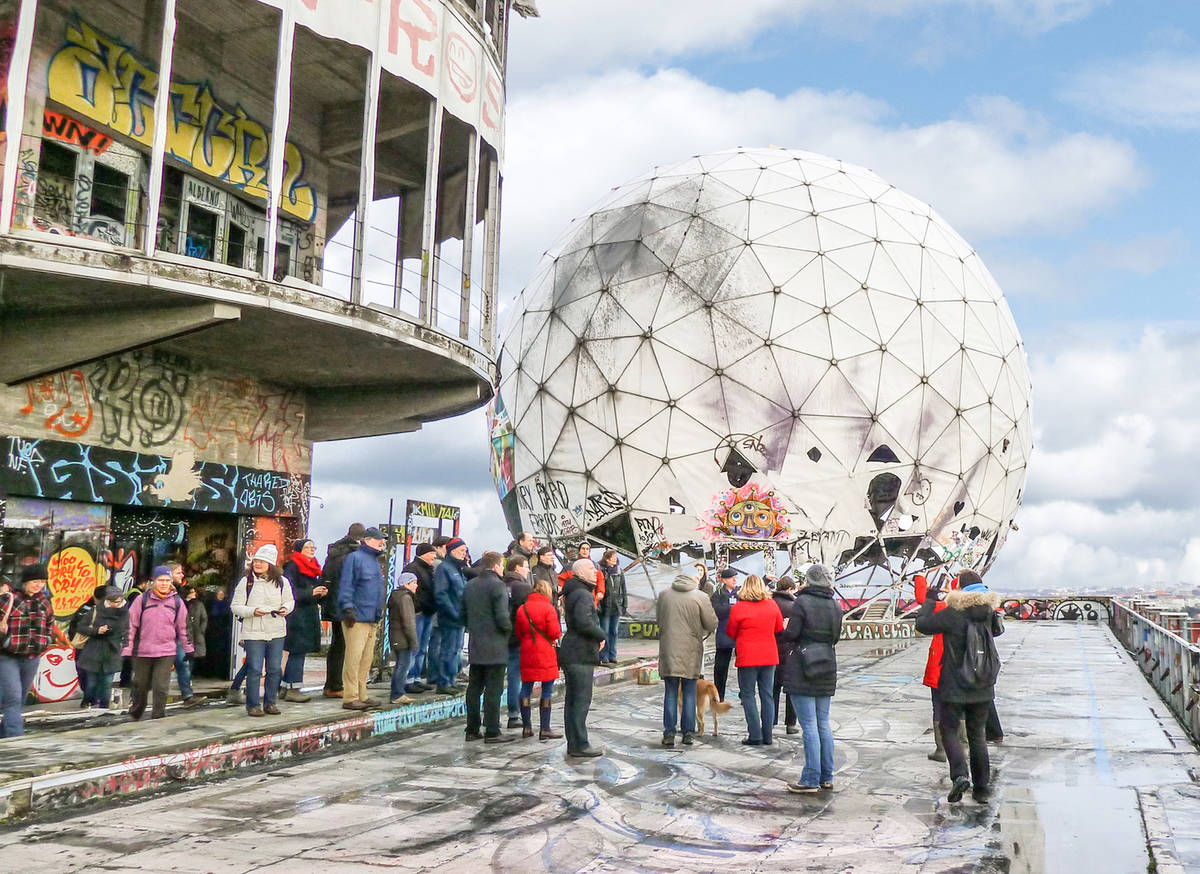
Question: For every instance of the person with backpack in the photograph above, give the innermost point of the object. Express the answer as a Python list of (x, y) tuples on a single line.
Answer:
[(106, 628), (262, 600), (27, 618), (538, 630), (966, 684), (157, 630), (810, 678)]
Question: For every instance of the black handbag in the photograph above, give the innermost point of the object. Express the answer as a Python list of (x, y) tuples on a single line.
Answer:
[(817, 659)]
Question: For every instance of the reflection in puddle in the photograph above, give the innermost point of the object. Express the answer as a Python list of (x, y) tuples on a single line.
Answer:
[(1022, 837)]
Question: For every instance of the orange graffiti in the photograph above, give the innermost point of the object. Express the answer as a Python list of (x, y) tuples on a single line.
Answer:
[(74, 576), (63, 399)]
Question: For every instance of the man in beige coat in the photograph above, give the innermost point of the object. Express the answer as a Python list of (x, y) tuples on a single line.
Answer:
[(685, 618)]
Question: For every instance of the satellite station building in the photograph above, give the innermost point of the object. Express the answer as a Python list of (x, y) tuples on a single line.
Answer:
[(230, 229)]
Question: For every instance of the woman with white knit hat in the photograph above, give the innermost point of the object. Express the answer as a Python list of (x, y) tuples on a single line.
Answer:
[(261, 601)]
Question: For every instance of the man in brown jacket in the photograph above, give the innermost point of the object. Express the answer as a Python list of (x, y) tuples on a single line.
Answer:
[(402, 633), (685, 618)]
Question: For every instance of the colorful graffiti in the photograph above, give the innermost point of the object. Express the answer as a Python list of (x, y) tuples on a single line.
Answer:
[(74, 576), (66, 129), (867, 630), (750, 512), (1065, 609), (97, 77), (652, 538), (62, 401), (56, 678), (501, 429)]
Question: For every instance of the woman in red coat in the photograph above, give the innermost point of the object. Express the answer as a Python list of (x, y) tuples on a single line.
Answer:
[(933, 667), (538, 630), (753, 623)]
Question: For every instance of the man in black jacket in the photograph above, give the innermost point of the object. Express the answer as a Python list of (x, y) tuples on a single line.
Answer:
[(579, 653), (486, 617), (516, 579), (331, 572), (723, 600), (422, 568), (785, 599), (962, 698)]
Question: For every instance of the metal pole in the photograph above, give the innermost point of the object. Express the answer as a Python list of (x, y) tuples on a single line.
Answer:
[(279, 125), (158, 149), (18, 82)]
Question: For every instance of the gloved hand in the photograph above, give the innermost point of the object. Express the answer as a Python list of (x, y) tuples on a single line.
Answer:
[(349, 618)]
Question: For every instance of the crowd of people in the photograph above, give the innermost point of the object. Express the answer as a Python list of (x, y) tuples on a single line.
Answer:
[(524, 624)]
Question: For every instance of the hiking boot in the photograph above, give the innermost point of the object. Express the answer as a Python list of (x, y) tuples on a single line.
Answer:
[(295, 696), (354, 705), (939, 752), (403, 699), (271, 709), (499, 738), (526, 731), (688, 738), (372, 703), (961, 785), (586, 753), (255, 711), (549, 734), (193, 700), (668, 739), (234, 696)]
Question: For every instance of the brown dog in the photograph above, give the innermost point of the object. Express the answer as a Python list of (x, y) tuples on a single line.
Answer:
[(707, 699)]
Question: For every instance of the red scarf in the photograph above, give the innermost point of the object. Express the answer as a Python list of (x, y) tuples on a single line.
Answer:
[(308, 566)]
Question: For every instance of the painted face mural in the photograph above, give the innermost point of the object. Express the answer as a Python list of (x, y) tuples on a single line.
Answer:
[(56, 678), (747, 513)]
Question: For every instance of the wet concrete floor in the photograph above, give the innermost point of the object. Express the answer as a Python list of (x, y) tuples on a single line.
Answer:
[(1093, 776)]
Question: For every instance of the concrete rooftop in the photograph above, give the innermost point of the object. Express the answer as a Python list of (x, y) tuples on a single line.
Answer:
[(1094, 776)]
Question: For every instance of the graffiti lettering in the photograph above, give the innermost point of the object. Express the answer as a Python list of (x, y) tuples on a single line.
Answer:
[(73, 577), (141, 396), (63, 400), (417, 33), (68, 130), (601, 505), (877, 630), (552, 494)]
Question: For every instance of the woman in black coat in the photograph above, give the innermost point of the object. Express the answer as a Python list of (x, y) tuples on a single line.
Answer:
[(303, 623), (810, 678)]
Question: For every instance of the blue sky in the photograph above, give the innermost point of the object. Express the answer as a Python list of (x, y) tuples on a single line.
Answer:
[(1058, 136)]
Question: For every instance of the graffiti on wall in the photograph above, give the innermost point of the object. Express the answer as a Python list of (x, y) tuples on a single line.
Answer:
[(877, 630), (1066, 609), (56, 678), (501, 430), (73, 577), (96, 76), (750, 512), (149, 399), (60, 470), (652, 538)]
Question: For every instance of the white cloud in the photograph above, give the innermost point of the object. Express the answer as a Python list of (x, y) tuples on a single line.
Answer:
[(997, 170), (574, 36), (1159, 91)]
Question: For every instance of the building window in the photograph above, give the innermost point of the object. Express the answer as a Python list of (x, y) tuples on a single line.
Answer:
[(110, 194), (235, 246), (201, 233), (55, 184)]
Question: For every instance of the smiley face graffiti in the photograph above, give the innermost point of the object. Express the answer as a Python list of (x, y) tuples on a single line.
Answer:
[(56, 678), (751, 512)]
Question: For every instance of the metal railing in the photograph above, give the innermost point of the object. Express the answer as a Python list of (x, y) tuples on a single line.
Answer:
[(1162, 644)]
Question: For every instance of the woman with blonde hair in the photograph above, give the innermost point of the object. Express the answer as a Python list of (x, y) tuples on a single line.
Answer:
[(753, 623), (537, 629)]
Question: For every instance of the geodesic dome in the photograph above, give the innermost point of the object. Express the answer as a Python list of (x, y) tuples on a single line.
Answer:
[(764, 346)]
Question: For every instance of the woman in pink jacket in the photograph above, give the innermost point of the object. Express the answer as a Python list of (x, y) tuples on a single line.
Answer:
[(157, 625)]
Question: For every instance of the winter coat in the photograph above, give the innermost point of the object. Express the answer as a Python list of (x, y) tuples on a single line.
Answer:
[(785, 601), (816, 619), (962, 608), (933, 663), (361, 586), (263, 595), (487, 619), (518, 590), (402, 620), (537, 628), (197, 627), (423, 601), (449, 582), (303, 623), (753, 626), (615, 599), (156, 626), (102, 652), (685, 619), (580, 645), (331, 574), (30, 624), (723, 600), (539, 571)]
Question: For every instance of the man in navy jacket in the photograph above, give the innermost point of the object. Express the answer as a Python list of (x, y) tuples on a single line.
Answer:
[(362, 594)]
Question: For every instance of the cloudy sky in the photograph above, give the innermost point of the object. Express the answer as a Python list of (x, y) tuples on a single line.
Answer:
[(1057, 136)]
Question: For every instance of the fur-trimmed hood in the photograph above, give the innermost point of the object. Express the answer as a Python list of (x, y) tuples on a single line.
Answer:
[(977, 605)]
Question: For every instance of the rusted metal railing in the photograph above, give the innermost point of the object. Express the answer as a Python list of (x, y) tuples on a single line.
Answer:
[(1163, 643)]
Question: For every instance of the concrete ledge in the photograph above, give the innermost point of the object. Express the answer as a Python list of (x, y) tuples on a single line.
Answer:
[(50, 785)]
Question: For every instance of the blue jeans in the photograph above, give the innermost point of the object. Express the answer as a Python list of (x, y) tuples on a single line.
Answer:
[(258, 652), (611, 623), (760, 714), (671, 689), (97, 688), (238, 678), (818, 739), (449, 656), (293, 671), (514, 680), (547, 689), (417, 662), (16, 678), (400, 672), (183, 672), (433, 654)]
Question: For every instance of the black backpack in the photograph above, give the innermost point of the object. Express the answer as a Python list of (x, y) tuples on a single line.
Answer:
[(979, 663)]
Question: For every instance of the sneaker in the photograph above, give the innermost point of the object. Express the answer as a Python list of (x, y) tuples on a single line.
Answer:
[(372, 703), (85, 705), (295, 696), (193, 700), (688, 738), (416, 688), (499, 738), (332, 693), (802, 789), (255, 711), (234, 696), (403, 699), (793, 729), (826, 784), (514, 722), (586, 753), (668, 739), (446, 690), (271, 709), (354, 705), (961, 784)]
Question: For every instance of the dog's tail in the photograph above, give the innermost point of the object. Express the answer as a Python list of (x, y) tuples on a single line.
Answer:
[(722, 706)]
